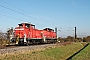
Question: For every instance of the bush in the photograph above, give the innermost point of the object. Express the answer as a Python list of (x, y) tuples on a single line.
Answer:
[(3, 39)]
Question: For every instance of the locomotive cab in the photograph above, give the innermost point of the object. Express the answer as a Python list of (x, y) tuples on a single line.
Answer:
[(22, 32)]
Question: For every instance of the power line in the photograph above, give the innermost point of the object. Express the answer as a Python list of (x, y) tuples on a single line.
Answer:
[(11, 17), (14, 17), (20, 12), (71, 29), (16, 11), (49, 23), (12, 5)]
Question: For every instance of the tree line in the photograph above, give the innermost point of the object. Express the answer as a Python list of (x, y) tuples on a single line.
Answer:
[(72, 39)]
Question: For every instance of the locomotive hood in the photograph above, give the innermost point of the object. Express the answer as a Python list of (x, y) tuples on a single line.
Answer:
[(19, 32)]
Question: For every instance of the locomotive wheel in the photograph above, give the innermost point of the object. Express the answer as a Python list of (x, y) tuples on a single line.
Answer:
[(28, 43), (21, 43)]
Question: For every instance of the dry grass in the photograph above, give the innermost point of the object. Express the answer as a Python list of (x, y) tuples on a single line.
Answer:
[(50, 53), (20, 54), (4, 42)]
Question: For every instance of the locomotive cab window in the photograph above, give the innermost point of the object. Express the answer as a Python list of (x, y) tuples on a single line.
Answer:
[(27, 25), (33, 26), (20, 25)]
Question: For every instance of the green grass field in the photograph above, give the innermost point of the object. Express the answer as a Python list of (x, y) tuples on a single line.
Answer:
[(83, 55), (57, 53)]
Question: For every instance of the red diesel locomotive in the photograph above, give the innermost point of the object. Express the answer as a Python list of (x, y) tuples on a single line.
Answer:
[(26, 33)]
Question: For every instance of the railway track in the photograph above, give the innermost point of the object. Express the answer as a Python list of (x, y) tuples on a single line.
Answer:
[(16, 48), (11, 49)]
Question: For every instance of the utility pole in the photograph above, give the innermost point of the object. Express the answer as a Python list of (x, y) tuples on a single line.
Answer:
[(75, 33), (56, 31)]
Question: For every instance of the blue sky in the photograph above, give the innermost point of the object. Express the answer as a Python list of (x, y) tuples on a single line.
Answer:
[(63, 14)]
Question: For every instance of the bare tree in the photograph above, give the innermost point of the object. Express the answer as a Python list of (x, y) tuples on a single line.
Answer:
[(9, 32), (5, 37)]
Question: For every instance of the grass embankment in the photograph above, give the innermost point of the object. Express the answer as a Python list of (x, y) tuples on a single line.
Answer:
[(57, 53), (83, 55)]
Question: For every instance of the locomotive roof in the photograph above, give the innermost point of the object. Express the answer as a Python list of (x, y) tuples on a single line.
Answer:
[(48, 29), (27, 23)]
